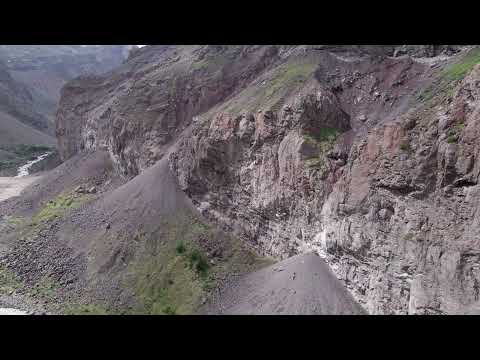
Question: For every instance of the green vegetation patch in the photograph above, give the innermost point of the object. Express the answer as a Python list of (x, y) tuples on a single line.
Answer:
[(9, 164), (18, 155), (59, 206), (458, 70), (46, 289), (171, 280), (459, 127), (450, 76), (177, 274), (181, 248), (198, 261), (325, 135), (323, 141), (167, 284), (14, 221), (216, 60), (269, 93), (405, 146), (30, 151), (454, 133), (452, 139), (288, 76), (8, 281)]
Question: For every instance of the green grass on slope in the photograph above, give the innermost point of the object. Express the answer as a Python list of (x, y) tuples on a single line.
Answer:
[(171, 273), (8, 281), (44, 290), (27, 229), (323, 142), (459, 70), (59, 206), (216, 60), (269, 92), (326, 134), (450, 76), (179, 275)]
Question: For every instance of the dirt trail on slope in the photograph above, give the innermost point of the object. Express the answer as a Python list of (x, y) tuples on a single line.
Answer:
[(300, 285), (10, 187)]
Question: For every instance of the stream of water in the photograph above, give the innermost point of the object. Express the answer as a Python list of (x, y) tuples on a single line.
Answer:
[(24, 170)]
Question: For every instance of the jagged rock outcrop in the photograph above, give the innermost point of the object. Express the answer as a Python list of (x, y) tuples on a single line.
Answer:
[(267, 171), (364, 154), (402, 226)]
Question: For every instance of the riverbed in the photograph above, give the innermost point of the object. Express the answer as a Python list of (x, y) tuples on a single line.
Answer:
[(13, 186)]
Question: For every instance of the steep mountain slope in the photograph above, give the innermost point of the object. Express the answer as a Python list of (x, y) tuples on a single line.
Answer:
[(16, 100), (20, 124), (126, 247), (300, 285), (31, 77), (351, 151), (401, 223), (14, 132), (140, 247)]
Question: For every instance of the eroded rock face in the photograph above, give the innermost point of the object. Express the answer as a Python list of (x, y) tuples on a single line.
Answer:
[(301, 148), (409, 241), (263, 174), (141, 108)]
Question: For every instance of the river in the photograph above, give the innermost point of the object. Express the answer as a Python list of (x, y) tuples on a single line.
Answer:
[(24, 170)]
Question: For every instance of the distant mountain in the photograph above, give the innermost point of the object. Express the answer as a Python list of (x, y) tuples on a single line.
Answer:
[(16, 100), (31, 77), (39, 72)]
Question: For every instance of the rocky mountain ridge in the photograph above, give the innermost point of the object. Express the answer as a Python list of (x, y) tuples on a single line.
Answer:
[(306, 148), (364, 154)]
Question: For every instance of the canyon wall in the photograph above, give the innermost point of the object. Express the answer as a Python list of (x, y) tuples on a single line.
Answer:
[(365, 154)]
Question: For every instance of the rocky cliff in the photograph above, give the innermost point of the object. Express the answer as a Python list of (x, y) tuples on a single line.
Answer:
[(365, 154)]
